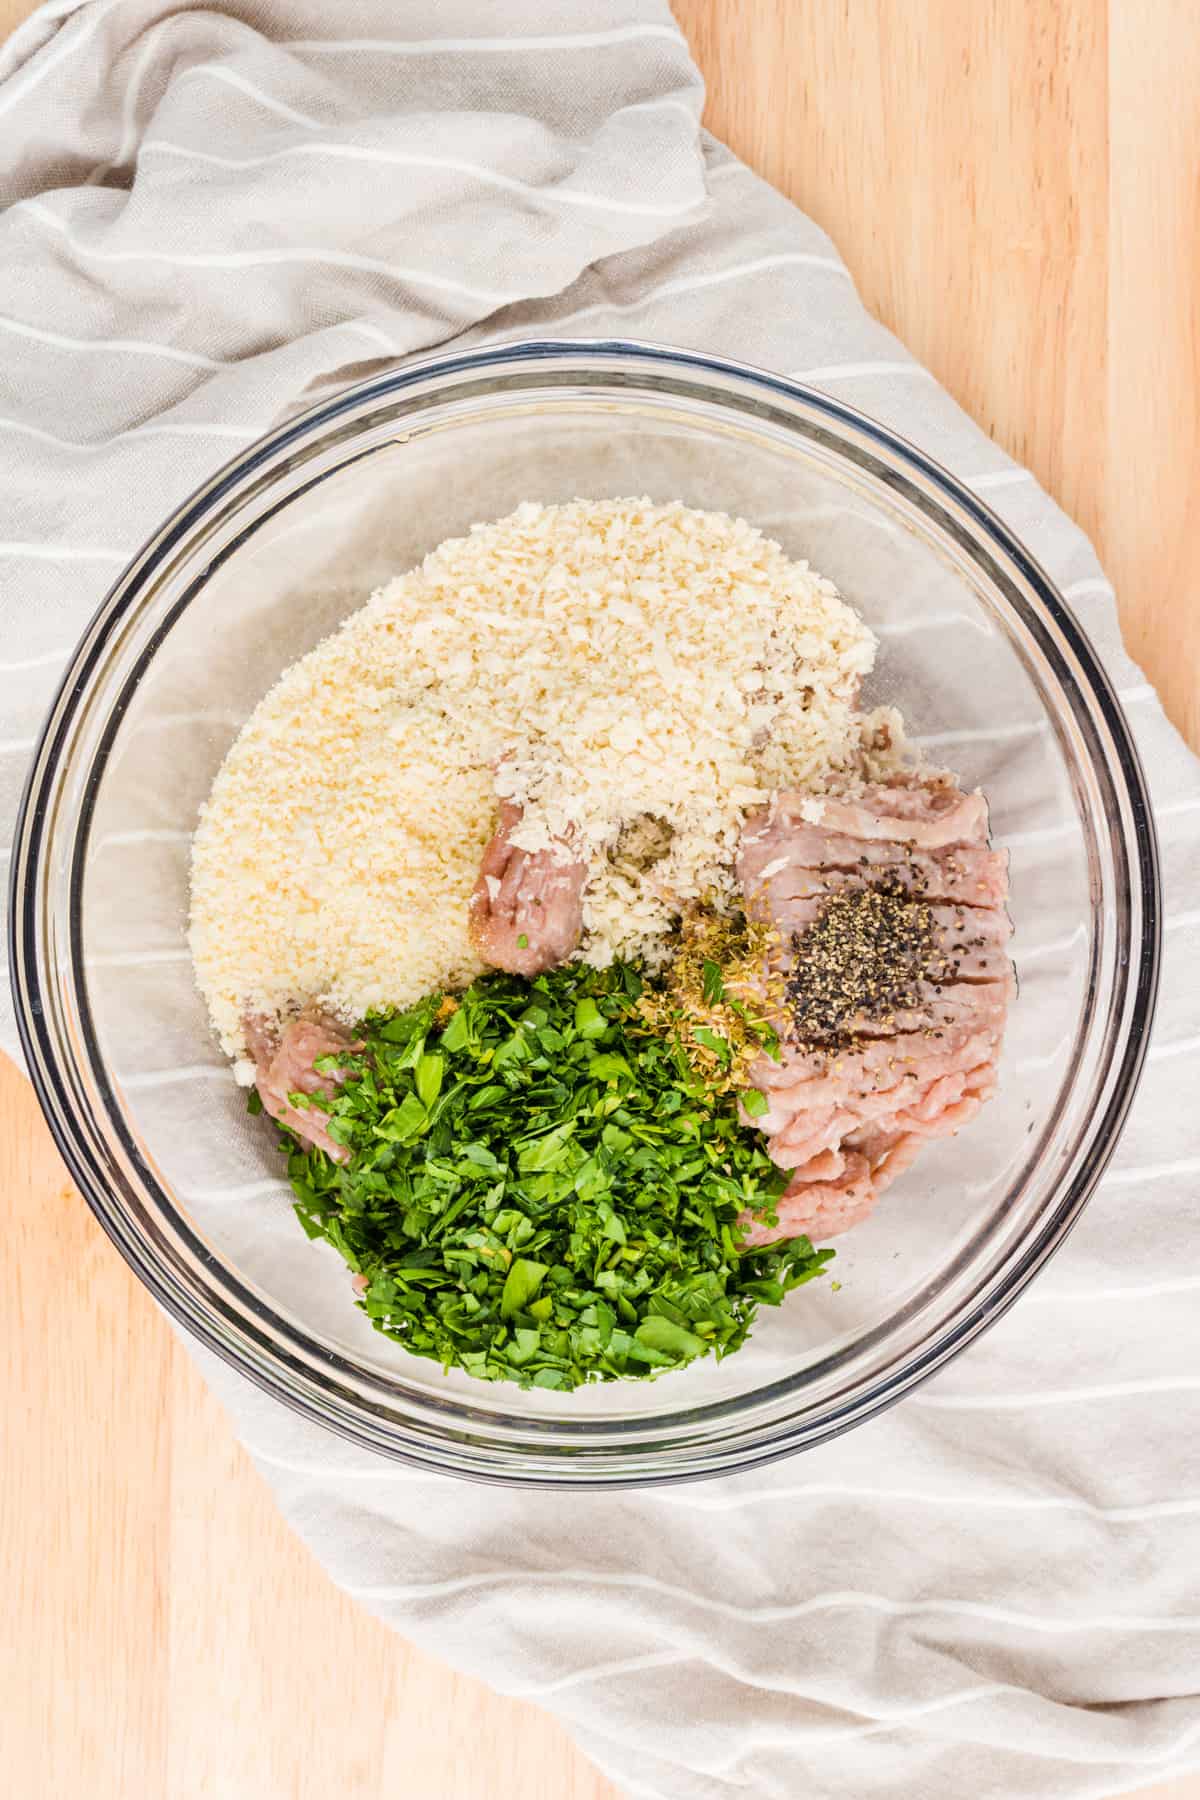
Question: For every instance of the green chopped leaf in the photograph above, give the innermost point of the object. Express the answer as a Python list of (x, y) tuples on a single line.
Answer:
[(608, 1067), (428, 1078), (522, 941), (487, 1096), (591, 1179), (589, 1020), (612, 1226), (525, 1344), (477, 1160), (542, 1189), (456, 1034), (754, 1102), (712, 983), (402, 1027), (520, 1286), (548, 1151), (408, 1120), (711, 1041), (657, 1333)]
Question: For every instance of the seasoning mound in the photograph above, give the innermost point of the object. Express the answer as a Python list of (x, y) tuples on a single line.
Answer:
[(865, 956), (634, 677), (718, 999)]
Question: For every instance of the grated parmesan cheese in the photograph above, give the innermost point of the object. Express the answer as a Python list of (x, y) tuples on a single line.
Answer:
[(611, 666)]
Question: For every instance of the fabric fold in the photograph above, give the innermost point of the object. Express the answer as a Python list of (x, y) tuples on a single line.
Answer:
[(214, 214)]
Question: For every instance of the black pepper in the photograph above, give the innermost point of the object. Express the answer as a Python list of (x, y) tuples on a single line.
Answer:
[(870, 953)]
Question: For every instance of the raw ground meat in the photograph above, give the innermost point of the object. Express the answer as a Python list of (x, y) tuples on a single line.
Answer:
[(535, 896), (284, 1058), (849, 1117)]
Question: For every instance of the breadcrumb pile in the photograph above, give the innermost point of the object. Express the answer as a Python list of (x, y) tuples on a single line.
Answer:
[(634, 676)]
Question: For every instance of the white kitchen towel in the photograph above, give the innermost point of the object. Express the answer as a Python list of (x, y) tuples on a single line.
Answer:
[(214, 212)]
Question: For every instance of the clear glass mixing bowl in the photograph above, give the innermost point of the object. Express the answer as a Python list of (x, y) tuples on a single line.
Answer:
[(977, 648)]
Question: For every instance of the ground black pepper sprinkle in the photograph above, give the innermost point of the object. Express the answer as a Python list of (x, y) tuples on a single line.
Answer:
[(865, 957)]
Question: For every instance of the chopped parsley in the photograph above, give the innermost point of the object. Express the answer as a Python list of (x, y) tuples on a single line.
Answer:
[(540, 1187)]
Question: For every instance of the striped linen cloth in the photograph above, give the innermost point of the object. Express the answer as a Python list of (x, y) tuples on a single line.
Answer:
[(214, 213)]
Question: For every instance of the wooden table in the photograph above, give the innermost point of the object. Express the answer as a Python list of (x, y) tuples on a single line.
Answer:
[(1013, 183)]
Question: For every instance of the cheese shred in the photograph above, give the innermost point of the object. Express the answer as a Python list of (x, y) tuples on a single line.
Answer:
[(634, 676)]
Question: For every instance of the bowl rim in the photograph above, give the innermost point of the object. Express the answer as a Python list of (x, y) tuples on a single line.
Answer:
[(45, 1063)]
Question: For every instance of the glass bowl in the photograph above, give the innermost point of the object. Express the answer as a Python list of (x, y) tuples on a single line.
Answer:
[(984, 658)]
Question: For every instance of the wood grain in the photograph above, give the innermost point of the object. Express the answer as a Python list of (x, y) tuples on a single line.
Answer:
[(164, 1634), (1014, 183)]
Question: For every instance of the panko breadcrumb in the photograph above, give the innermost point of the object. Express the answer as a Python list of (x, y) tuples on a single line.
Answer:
[(635, 676)]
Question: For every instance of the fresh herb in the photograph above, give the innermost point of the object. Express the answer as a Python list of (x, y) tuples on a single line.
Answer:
[(540, 1187), (711, 982)]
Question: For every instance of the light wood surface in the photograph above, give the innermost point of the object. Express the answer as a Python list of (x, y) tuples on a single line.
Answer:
[(1014, 184)]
